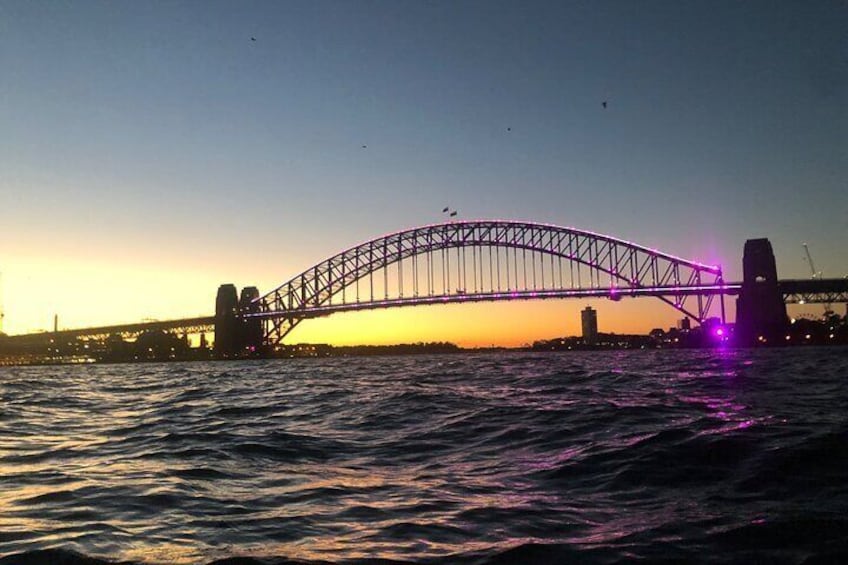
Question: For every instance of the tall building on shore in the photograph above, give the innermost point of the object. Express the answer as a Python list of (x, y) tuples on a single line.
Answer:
[(589, 319)]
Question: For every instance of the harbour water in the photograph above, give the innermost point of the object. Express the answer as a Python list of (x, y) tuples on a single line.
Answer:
[(600, 457)]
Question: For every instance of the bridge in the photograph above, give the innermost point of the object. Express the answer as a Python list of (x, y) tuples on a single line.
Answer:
[(485, 261), (494, 260)]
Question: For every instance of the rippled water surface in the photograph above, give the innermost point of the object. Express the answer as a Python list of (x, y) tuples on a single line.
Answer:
[(470, 458)]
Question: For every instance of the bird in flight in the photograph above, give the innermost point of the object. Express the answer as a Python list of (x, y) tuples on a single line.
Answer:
[(452, 214), (604, 103), (445, 209), (365, 147), (508, 129)]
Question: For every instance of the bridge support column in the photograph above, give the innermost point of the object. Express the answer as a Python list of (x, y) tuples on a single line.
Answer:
[(249, 334), (226, 305), (760, 310)]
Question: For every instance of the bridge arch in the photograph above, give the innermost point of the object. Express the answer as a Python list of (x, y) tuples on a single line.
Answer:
[(491, 263)]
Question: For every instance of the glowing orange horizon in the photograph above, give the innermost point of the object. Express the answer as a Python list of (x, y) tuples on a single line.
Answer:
[(154, 295), (128, 284), (132, 293)]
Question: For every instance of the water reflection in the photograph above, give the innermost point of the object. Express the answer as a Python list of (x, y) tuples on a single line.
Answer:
[(402, 458)]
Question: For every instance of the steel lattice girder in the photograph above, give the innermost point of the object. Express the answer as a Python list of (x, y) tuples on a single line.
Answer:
[(627, 265), (815, 297)]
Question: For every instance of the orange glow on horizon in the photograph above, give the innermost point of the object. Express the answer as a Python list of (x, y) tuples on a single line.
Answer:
[(134, 294), (87, 293), (507, 324)]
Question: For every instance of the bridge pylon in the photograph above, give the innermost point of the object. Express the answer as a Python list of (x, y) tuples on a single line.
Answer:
[(237, 334), (760, 310), (249, 329), (226, 324)]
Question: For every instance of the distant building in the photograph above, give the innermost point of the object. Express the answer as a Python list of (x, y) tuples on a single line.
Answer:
[(684, 324), (657, 333), (589, 319)]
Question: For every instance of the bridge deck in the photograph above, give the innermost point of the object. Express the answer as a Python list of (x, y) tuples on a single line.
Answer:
[(793, 286), (203, 323), (814, 291), (463, 297), (793, 290)]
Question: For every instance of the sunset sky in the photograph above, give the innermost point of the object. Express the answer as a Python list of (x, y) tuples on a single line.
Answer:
[(150, 151)]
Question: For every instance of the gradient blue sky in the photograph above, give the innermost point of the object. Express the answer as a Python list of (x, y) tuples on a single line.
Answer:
[(151, 150)]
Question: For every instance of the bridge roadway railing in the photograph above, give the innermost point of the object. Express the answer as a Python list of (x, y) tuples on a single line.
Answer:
[(669, 292), (794, 291)]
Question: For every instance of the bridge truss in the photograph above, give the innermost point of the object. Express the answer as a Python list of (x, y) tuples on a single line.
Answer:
[(814, 291), (486, 261)]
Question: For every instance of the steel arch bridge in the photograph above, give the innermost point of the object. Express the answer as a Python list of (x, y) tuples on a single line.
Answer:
[(475, 261)]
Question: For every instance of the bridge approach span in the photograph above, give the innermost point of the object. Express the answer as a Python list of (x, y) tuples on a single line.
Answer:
[(813, 291), (184, 325)]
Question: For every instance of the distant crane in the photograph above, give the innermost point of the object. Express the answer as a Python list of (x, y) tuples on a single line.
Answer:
[(817, 275)]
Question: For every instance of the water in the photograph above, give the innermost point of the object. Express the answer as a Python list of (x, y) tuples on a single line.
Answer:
[(708, 456)]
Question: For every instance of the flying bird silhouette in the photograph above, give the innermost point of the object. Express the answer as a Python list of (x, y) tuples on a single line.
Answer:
[(508, 129), (253, 39), (365, 147), (604, 103), (445, 209), (452, 214)]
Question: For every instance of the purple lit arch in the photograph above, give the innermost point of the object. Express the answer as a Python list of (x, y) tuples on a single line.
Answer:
[(486, 261)]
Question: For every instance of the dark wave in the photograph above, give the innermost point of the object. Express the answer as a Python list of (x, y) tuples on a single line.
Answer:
[(666, 457)]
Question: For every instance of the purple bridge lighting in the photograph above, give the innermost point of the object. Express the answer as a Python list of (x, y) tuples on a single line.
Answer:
[(476, 261)]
